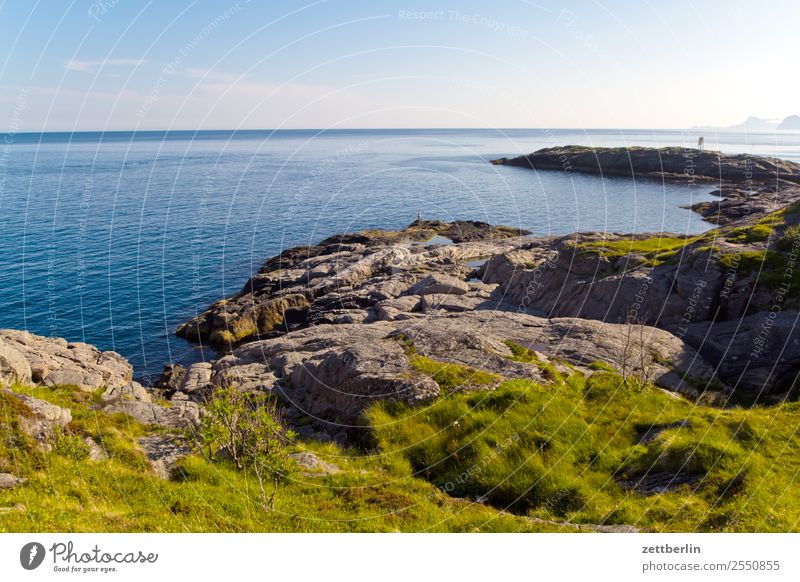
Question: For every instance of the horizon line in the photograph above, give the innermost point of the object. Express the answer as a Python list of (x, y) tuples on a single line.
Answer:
[(322, 130)]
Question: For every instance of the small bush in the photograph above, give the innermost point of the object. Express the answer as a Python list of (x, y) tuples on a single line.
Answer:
[(247, 428)]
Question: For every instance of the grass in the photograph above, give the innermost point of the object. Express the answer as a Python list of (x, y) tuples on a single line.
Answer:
[(527, 356), (790, 239), (556, 452), (453, 377), (65, 491), (550, 452), (775, 270), (749, 234), (652, 251)]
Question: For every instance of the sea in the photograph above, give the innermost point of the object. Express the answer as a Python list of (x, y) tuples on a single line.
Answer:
[(115, 238)]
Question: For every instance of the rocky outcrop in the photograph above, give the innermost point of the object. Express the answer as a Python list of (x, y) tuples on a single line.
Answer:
[(163, 452), (332, 373), (56, 362), (39, 419), (727, 293), (574, 277), (329, 355), (736, 204), (669, 163), (26, 358), (343, 278), (437, 283)]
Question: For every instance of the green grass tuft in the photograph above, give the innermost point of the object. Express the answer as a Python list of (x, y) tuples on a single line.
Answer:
[(453, 377)]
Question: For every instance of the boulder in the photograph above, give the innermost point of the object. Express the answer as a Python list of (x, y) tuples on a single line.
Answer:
[(196, 380), (444, 302), (338, 383), (14, 368), (96, 451), (130, 391), (9, 481), (171, 378), (441, 284), (312, 466), (54, 361), (179, 414), (163, 452), (389, 309)]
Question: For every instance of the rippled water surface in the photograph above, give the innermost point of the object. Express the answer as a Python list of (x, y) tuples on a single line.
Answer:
[(115, 239)]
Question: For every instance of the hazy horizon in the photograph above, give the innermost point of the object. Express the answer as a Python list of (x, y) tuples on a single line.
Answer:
[(106, 65), (433, 128)]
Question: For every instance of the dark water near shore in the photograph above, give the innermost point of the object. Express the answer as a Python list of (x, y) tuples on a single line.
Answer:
[(114, 239)]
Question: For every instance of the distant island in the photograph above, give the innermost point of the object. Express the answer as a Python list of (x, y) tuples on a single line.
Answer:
[(752, 123), (791, 123)]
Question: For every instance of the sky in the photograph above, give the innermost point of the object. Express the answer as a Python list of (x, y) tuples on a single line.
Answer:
[(92, 65)]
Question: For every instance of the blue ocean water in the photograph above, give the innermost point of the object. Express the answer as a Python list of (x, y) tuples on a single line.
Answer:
[(116, 238)]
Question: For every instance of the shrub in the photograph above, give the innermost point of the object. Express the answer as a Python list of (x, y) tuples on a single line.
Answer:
[(247, 427)]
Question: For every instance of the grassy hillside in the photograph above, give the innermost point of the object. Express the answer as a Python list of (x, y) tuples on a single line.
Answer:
[(562, 451), (66, 491), (522, 457)]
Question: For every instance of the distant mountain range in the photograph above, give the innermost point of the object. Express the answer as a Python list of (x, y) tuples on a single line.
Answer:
[(791, 123)]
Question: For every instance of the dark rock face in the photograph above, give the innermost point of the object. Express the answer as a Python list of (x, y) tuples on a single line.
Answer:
[(757, 352), (671, 163)]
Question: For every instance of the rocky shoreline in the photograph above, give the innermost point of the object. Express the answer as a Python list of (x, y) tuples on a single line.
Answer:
[(598, 370), (332, 328)]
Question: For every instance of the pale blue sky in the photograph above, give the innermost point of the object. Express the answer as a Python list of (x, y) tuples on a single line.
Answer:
[(125, 64)]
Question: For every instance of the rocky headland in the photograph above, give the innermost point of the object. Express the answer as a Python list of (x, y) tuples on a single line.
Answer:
[(320, 325), (668, 163), (361, 321)]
